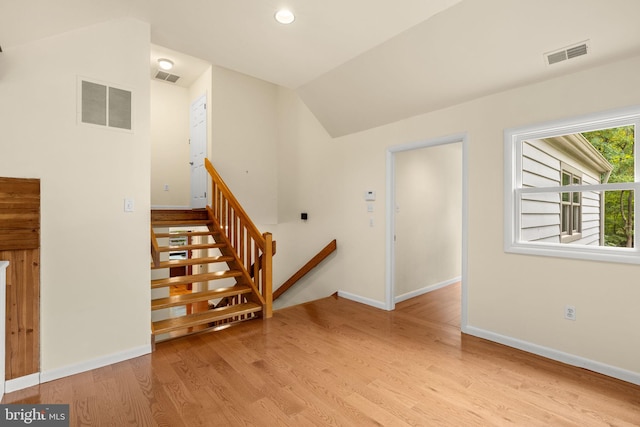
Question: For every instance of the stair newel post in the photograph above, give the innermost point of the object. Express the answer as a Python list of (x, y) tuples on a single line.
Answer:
[(267, 273)]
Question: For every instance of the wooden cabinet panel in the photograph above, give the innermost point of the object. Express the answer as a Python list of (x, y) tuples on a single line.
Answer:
[(23, 313), (20, 245), (19, 213)]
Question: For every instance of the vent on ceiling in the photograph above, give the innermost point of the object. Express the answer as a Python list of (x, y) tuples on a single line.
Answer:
[(167, 77), (565, 53)]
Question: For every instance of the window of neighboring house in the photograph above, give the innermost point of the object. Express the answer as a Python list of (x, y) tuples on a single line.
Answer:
[(570, 188), (571, 206)]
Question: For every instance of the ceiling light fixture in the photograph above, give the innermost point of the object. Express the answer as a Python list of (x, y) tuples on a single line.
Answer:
[(285, 16), (165, 64)]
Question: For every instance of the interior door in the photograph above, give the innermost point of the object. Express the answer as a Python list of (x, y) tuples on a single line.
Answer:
[(198, 151)]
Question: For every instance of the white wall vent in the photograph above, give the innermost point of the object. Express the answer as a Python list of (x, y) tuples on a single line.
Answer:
[(568, 52), (167, 77), (103, 105)]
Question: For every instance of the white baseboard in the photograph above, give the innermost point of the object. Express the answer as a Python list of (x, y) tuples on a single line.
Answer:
[(560, 356), (99, 362), (22, 382), (426, 289), (362, 300)]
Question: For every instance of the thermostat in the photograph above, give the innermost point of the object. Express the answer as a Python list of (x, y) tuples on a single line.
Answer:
[(370, 196)]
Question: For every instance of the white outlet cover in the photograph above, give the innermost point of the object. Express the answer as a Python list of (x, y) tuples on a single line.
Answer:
[(570, 312)]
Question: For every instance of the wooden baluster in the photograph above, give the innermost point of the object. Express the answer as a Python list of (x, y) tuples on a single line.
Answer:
[(267, 292), (241, 248)]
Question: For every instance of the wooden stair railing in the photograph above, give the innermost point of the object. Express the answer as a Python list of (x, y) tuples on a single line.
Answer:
[(190, 295), (310, 265), (254, 250)]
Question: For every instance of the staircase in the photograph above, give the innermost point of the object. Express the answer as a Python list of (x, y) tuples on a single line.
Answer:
[(225, 277)]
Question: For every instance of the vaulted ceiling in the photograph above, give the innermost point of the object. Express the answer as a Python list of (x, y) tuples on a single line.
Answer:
[(358, 64)]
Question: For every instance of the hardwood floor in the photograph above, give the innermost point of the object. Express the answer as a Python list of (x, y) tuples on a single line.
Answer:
[(337, 362)]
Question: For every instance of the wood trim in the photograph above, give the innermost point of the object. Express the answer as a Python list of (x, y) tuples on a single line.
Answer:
[(23, 313), (19, 214), (310, 265)]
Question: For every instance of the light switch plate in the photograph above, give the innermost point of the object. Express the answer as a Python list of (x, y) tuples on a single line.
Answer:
[(129, 205)]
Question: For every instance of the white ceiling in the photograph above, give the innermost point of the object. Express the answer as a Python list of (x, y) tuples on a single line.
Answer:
[(238, 34), (360, 63)]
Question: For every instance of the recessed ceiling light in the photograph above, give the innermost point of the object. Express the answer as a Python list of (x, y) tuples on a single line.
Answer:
[(165, 64), (285, 16)]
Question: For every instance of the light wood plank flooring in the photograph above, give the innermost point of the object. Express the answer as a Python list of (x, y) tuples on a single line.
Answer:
[(334, 362)]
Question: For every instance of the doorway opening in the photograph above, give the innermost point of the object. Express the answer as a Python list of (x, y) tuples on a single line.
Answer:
[(422, 197)]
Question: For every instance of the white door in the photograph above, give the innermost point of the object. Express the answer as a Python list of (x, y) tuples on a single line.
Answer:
[(198, 151)]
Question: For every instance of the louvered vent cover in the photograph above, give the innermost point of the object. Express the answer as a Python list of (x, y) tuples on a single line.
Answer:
[(167, 77), (570, 52)]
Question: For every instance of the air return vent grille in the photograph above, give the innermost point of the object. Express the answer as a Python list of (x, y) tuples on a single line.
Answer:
[(565, 53), (167, 77)]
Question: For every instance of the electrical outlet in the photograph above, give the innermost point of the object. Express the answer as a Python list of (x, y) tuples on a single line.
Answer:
[(570, 312)]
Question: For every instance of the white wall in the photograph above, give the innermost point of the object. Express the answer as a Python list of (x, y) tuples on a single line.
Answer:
[(94, 257), (516, 296), (169, 145), (310, 171), (243, 141), (428, 217)]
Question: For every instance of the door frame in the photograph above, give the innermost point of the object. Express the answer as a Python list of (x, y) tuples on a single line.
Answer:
[(390, 216)]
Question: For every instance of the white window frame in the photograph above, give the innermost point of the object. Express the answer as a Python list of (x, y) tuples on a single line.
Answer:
[(513, 189), (574, 232)]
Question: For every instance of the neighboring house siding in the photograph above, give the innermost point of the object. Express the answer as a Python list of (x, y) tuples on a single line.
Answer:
[(540, 212), (540, 222), (590, 214)]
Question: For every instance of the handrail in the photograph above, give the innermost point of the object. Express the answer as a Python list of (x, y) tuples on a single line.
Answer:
[(221, 193), (310, 265), (253, 250)]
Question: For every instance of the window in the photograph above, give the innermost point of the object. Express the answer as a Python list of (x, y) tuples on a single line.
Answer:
[(570, 188), (571, 206)]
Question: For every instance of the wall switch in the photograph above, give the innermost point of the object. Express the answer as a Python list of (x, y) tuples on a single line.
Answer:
[(166, 187), (369, 207), (570, 312), (371, 222), (129, 205)]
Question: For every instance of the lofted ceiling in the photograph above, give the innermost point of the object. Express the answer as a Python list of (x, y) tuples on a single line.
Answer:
[(358, 64)]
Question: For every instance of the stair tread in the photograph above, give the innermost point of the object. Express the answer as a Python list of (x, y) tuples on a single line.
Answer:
[(186, 233), (194, 278), (200, 318), (192, 261), (192, 297), (180, 222), (190, 247)]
